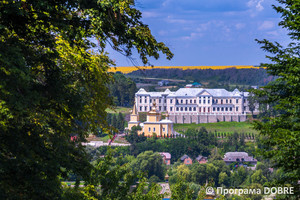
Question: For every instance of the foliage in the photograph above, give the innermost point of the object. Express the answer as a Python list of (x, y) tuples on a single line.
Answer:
[(282, 130), (112, 178), (149, 163), (52, 85), (123, 90), (218, 78)]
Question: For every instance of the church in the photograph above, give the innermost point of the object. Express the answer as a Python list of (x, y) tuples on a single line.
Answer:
[(153, 124)]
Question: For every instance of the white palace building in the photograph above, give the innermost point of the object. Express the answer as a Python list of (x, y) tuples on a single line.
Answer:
[(196, 105)]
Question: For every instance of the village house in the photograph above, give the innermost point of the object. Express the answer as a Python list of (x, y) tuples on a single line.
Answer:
[(186, 160), (166, 157), (241, 157), (201, 159)]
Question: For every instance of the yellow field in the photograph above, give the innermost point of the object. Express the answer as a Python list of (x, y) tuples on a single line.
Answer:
[(126, 70)]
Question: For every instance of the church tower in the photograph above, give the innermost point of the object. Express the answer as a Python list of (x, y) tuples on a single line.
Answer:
[(134, 118)]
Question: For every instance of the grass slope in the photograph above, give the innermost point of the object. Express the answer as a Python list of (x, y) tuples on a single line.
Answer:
[(118, 109), (224, 127)]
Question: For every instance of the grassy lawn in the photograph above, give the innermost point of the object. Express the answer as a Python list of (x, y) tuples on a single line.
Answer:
[(225, 127), (119, 109)]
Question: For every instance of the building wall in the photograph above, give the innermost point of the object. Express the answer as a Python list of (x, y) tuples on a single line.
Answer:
[(150, 128), (188, 161), (184, 118), (202, 161)]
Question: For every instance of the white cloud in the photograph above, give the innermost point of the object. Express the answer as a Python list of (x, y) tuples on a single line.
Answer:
[(163, 33), (273, 33), (239, 26), (150, 14), (192, 36), (266, 25), (257, 4), (170, 19)]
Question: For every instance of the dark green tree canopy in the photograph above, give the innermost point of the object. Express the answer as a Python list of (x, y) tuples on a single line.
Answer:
[(53, 86), (282, 130)]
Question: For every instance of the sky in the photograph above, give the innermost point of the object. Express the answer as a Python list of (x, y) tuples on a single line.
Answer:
[(209, 32)]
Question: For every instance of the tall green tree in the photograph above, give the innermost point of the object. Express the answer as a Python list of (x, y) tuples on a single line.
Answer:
[(282, 130), (52, 85)]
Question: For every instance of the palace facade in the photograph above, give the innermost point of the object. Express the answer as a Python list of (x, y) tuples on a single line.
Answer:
[(196, 105)]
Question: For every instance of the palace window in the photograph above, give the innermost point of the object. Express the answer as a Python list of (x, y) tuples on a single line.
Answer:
[(159, 100), (171, 100), (222, 109), (165, 100), (218, 109), (171, 108), (226, 109), (230, 108), (230, 101), (203, 101), (199, 109), (195, 101), (164, 129), (226, 100), (185, 108), (149, 129), (199, 101), (204, 109), (165, 108), (237, 108), (190, 109), (145, 100), (221, 101), (159, 108), (154, 129), (177, 109), (216, 100), (194, 108), (186, 101), (181, 101), (214, 108), (140, 100), (237, 101), (141, 108), (181, 108), (191, 101), (208, 101), (146, 108)]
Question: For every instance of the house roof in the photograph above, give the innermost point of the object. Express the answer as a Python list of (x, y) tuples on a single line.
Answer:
[(200, 158), (233, 156), (196, 83), (165, 154), (194, 92), (184, 157)]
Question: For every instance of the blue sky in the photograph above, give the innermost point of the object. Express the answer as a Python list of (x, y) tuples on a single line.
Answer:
[(209, 32)]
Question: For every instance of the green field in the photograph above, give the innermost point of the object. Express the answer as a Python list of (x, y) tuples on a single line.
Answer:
[(119, 109), (224, 127)]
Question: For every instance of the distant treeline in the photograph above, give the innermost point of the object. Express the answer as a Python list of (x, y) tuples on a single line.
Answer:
[(249, 76), (122, 90)]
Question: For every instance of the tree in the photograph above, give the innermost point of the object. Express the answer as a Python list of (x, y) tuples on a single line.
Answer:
[(121, 122), (252, 102), (282, 130), (258, 177), (52, 85), (150, 162)]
